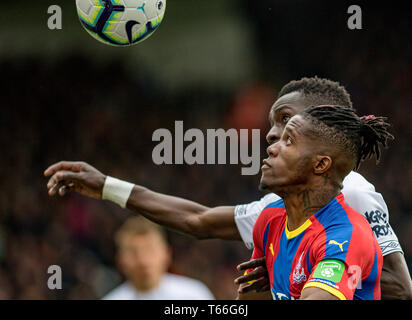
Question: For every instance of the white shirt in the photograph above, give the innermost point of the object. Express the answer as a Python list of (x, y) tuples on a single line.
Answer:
[(171, 287), (359, 194)]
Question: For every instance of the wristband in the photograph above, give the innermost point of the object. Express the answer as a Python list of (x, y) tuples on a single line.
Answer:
[(117, 191)]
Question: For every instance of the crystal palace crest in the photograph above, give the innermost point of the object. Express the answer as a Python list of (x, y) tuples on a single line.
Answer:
[(299, 272)]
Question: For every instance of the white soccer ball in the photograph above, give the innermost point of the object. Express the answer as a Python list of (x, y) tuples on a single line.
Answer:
[(121, 22)]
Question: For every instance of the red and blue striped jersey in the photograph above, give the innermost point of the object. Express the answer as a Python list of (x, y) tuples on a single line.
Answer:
[(334, 250)]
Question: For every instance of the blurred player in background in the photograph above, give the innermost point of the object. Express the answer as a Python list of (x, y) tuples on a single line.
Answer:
[(236, 222), (143, 258)]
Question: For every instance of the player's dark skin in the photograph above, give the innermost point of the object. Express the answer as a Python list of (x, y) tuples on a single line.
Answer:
[(299, 169), (204, 222)]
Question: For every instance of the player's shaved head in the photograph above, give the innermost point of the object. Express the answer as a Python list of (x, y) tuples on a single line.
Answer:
[(297, 95), (318, 91)]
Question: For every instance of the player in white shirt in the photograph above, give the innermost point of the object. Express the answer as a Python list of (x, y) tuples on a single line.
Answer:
[(236, 222), (143, 256), (171, 287)]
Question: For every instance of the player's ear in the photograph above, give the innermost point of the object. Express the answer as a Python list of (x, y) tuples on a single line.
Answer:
[(322, 164)]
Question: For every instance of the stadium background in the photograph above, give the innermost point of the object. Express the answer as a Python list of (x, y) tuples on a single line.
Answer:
[(213, 64)]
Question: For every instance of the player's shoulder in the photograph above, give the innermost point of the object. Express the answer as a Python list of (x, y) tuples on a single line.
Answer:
[(273, 210), (340, 226), (277, 204), (356, 181), (352, 221), (359, 235), (253, 209), (361, 195), (338, 215)]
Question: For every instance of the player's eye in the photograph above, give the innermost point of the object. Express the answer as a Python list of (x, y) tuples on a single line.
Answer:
[(288, 141), (285, 118)]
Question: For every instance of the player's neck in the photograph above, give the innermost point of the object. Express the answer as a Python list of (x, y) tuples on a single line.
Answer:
[(306, 201)]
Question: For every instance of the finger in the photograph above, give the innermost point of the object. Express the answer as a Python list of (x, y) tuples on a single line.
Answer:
[(63, 165), (60, 179), (56, 167), (255, 286), (62, 190), (65, 189), (264, 288), (60, 176), (53, 190), (253, 275), (251, 264), (55, 179)]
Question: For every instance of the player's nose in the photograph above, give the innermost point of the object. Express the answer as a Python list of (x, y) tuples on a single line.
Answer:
[(273, 135), (273, 149)]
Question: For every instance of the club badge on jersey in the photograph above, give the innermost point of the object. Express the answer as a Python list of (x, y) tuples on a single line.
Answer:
[(299, 273)]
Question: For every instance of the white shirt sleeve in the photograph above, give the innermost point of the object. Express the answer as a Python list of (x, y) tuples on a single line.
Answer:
[(247, 214), (362, 196)]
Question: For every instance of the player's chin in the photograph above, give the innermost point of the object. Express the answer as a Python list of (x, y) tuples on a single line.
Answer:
[(265, 182)]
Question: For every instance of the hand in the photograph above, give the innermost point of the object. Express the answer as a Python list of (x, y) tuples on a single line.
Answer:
[(69, 176), (259, 276)]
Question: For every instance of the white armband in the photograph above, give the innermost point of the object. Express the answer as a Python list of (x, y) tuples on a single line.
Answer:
[(117, 191)]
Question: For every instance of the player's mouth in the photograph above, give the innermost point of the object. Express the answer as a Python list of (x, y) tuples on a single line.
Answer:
[(265, 165)]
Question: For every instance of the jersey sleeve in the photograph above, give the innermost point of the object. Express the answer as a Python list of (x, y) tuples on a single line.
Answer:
[(346, 258), (247, 214), (332, 276), (372, 206), (331, 256)]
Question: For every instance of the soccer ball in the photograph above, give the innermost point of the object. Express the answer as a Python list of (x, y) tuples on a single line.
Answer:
[(121, 22)]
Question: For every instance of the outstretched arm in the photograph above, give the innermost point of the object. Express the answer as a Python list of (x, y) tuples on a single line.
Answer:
[(184, 215), (173, 212)]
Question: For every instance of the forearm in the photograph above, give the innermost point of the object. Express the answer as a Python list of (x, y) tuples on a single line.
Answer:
[(395, 279), (184, 215), (169, 211)]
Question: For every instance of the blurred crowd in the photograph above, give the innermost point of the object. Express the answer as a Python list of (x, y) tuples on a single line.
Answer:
[(74, 108), (60, 115)]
